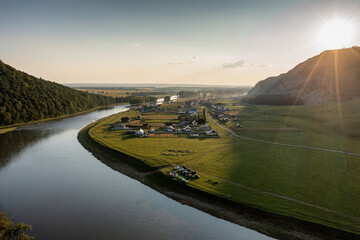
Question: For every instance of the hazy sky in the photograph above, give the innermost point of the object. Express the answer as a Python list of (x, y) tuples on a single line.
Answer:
[(146, 41)]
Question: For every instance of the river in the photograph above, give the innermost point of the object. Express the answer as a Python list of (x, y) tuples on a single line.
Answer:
[(47, 179)]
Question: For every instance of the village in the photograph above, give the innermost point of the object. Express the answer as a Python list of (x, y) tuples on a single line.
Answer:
[(173, 120), (168, 120)]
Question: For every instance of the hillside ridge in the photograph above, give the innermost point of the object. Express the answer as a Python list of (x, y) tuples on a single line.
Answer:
[(333, 75)]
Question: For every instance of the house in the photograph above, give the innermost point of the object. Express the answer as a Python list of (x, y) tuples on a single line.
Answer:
[(212, 132), (182, 124), (187, 129), (138, 117), (146, 125), (170, 129), (152, 130), (140, 132), (173, 174), (224, 119), (191, 111), (125, 119), (194, 123), (205, 127), (239, 125)]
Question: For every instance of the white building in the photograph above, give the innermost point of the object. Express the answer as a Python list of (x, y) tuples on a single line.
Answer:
[(187, 129)]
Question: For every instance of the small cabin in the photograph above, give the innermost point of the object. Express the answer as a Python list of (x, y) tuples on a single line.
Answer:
[(125, 119)]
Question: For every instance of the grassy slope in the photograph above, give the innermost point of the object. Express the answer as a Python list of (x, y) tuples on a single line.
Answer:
[(314, 177), (321, 125)]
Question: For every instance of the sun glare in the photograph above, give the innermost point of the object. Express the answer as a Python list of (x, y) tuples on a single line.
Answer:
[(336, 34)]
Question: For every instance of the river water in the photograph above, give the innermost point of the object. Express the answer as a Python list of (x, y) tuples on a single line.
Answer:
[(47, 179)]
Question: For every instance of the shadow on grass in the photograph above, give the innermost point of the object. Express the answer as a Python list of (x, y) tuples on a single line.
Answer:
[(290, 172)]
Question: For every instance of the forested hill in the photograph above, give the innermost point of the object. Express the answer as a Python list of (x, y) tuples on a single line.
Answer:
[(25, 98)]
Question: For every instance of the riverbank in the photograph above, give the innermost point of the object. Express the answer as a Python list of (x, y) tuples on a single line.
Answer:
[(8, 129), (271, 224), (12, 127)]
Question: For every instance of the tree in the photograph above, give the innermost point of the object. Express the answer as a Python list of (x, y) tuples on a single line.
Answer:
[(13, 231), (167, 99)]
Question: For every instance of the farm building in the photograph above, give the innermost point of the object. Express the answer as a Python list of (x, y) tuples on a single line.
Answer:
[(125, 119)]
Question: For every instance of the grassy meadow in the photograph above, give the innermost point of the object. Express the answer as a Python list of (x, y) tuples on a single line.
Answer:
[(322, 125), (317, 186)]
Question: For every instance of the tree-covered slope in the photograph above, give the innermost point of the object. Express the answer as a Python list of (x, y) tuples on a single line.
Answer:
[(25, 98)]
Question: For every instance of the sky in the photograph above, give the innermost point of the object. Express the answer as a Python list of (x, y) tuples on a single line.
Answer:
[(227, 42)]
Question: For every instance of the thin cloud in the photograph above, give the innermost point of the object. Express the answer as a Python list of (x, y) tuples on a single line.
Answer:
[(240, 63), (264, 65), (190, 61)]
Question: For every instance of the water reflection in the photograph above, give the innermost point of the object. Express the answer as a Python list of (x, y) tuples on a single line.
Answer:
[(13, 142)]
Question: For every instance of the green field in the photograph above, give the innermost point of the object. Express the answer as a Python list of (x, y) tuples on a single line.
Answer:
[(317, 186), (321, 125)]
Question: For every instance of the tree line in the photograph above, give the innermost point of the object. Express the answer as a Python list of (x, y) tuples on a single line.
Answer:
[(215, 92), (135, 100)]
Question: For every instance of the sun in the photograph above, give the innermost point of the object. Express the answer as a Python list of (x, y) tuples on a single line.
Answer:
[(336, 34)]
